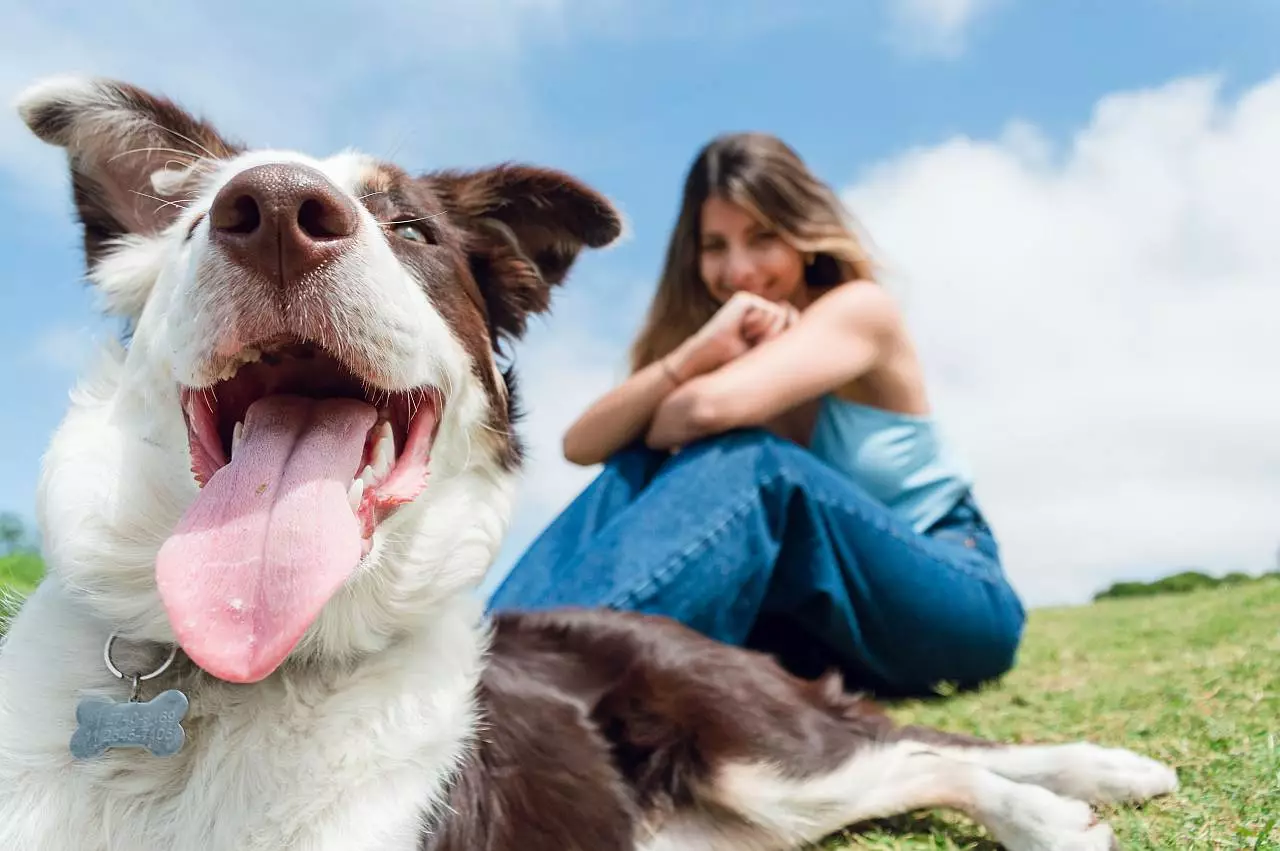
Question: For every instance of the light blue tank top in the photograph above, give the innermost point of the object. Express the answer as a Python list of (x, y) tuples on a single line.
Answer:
[(900, 459)]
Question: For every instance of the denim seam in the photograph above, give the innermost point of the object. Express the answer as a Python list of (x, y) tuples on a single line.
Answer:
[(680, 559), (912, 541)]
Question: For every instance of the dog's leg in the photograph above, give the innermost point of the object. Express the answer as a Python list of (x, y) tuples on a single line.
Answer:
[(726, 750), (1081, 770), (768, 810)]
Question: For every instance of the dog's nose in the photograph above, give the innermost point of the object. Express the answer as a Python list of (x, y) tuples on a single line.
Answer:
[(282, 220)]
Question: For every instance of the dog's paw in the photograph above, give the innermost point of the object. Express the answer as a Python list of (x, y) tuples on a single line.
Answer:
[(1101, 775), (1097, 838), (1031, 818)]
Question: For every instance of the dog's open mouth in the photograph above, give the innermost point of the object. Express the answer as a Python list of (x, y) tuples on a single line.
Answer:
[(291, 381), (298, 461)]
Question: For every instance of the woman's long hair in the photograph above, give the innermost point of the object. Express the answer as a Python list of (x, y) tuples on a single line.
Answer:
[(763, 175)]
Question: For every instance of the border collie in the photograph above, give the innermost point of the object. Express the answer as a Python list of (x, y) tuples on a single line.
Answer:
[(267, 511)]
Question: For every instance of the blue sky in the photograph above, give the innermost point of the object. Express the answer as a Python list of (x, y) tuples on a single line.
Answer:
[(1069, 194)]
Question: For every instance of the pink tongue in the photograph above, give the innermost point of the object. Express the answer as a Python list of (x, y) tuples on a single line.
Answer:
[(270, 538)]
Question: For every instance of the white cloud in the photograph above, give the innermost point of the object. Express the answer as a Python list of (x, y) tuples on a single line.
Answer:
[(1102, 326), (934, 27)]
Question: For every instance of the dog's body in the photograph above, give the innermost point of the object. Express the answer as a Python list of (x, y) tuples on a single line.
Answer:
[(299, 469)]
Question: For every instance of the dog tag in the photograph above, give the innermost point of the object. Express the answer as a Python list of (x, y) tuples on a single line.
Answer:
[(155, 725)]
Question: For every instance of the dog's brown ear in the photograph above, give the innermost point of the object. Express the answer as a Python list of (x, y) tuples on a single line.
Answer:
[(131, 153), (526, 226)]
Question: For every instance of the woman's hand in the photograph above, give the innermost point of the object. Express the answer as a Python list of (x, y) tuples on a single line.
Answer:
[(624, 413), (742, 322), (765, 323), (840, 337)]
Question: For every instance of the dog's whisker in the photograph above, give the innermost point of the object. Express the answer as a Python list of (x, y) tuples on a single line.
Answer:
[(401, 139), (417, 219), (157, 149), (201, 166), (185, 138), (500, 432), (179, 203)]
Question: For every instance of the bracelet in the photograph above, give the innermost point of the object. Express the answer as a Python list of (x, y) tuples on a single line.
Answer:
[(670, 372)]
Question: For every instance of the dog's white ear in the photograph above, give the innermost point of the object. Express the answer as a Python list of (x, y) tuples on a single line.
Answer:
[(526, 226), (129, 153)]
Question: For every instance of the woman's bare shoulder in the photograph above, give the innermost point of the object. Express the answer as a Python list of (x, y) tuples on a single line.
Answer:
[(859, 305)]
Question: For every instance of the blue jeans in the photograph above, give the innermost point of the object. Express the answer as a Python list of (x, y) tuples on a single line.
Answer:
[(754, 541)]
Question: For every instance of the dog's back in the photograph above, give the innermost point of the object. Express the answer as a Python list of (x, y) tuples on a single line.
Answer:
[(601, 727)]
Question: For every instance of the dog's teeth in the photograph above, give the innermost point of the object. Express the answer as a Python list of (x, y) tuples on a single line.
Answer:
[(367, 476), (384, 452), (355, 494), (237, 434)]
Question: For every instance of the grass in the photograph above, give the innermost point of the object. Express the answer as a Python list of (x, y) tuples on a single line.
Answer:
[(19, 574), (1190, 679)]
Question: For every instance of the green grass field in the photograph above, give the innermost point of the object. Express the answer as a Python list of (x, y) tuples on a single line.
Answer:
[(1191, 679)]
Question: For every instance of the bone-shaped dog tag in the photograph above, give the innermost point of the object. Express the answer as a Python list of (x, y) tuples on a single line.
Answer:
[(155, 725)]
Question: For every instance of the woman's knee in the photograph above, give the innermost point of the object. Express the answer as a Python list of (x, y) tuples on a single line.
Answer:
[(634, 463), (632, 455), (755, 446), (993, 645), (964, 648)]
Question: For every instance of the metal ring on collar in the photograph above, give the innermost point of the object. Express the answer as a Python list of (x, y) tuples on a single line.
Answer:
[(111, 666)]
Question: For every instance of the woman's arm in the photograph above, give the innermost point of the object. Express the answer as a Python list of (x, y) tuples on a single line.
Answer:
[(620, 416), (838, 338), (624, 414)]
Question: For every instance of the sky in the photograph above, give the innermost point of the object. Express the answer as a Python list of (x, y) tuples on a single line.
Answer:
[(1074, 201)]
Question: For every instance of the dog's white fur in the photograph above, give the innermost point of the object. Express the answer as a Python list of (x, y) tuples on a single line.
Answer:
[(320, 755), (349, 747), (1012, 791), (345, 761)]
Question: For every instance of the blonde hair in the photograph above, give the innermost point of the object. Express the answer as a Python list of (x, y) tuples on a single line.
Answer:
[(764, 176)]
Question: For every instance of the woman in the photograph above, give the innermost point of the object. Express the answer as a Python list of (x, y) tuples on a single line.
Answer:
[(773, 476)]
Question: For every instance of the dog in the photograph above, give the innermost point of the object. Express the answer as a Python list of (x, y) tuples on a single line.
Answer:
[(269, 506)]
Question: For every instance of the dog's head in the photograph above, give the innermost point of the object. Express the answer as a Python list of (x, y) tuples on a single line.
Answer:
[(306, 444)]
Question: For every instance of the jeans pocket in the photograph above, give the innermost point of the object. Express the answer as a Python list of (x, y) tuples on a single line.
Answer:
[(961, 534), (978, 552)]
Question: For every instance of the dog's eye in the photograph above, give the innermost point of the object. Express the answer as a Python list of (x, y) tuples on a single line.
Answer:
[(413, 233)]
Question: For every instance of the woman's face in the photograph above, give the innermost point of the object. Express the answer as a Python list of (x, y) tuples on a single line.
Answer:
[(739, 253)]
